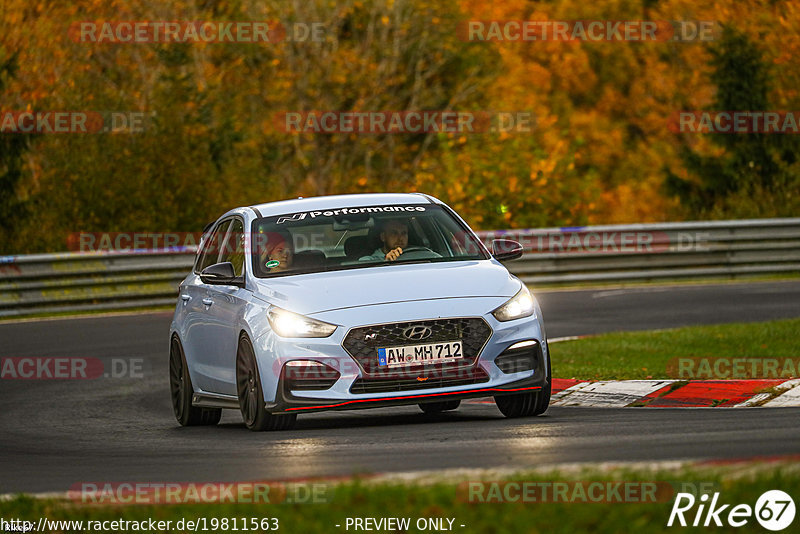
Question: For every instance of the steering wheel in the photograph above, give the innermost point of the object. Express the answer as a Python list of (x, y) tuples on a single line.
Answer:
[(417, 249), (418, 253)]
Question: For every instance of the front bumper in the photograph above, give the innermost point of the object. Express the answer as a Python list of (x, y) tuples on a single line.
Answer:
[(527, 381), (274, 352), (289, 403)]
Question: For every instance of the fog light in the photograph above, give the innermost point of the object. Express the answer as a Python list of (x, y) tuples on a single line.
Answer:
[(309, 375), (519, 357)]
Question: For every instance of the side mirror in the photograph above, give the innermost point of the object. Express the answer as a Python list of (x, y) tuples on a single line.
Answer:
[(505, 249), (219, 273)]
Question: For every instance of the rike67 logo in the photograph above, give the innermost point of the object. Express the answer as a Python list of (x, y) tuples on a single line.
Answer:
[(774, 510)]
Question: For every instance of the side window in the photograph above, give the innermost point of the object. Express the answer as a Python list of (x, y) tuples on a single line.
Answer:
[(233, 247), (211, 247)]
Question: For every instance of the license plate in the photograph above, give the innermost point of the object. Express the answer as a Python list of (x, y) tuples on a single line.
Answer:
[(415, 354)]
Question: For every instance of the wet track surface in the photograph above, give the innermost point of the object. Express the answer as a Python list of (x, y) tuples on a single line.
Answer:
[(55, 433)]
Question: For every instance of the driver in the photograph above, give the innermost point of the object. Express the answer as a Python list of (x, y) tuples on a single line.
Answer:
[(394, 236)]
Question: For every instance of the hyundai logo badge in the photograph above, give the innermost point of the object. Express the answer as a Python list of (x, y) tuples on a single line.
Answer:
[(417, 332)]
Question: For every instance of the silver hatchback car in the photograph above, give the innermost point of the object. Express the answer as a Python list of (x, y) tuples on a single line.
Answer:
[(352, 301)]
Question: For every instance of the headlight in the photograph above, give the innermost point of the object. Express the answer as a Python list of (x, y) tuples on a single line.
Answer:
[(520, 305), (288, 324)]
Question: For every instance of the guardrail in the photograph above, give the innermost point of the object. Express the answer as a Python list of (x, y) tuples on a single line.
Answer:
[(74, 282), (661, 251)]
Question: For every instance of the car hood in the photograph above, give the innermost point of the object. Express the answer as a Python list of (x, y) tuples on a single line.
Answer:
[(320, 292)]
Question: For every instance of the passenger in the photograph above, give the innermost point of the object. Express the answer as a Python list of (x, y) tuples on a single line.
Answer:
[(278, 248)]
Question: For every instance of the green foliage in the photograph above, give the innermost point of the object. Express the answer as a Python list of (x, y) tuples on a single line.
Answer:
[(12, 150), (642, 355), (758, 173), (597, 152), (537, 511)]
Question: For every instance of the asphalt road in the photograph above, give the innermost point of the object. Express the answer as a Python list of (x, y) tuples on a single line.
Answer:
[(56, 433)]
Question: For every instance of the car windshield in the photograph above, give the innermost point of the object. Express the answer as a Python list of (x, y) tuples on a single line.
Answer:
[(360, 237)]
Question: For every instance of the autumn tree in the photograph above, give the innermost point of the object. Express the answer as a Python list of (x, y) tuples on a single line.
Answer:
[(756, 173), (12, 149), (597, 152)]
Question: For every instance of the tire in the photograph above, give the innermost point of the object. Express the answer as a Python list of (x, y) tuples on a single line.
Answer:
[(251, 396), (438, 407), (181, 391), (518, 405), (527, 404), (543, 396)]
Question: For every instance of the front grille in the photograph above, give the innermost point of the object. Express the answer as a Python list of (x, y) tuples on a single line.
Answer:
[(387, 385), (362, 344)]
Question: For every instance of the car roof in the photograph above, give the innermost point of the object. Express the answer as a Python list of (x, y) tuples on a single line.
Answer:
[(282, 207)]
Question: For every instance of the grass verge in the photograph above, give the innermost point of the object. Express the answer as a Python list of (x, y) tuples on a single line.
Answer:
[(680, 281), (539, 510), (643, 355), (86, 313)]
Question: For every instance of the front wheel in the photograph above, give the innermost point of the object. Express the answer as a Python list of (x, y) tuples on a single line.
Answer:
[(527, 404), (518, 405), (543, 397), (251, 397), (180, 386)]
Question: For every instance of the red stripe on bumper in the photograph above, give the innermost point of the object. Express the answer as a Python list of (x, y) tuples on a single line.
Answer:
[(486, 390)]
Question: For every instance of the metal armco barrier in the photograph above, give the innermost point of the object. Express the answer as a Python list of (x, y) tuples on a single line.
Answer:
[(659, 251), (73, 282)]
